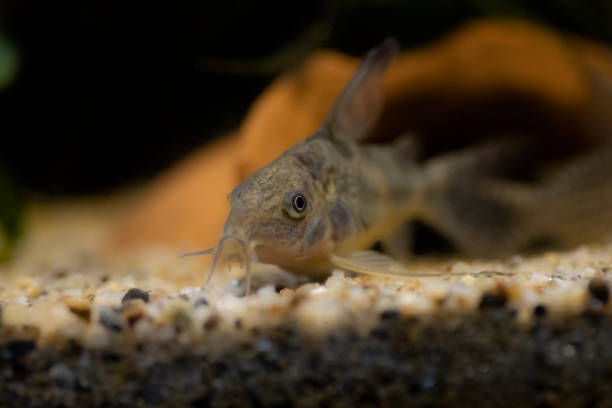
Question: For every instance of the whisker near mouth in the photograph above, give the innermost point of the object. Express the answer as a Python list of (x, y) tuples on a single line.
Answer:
[(218, 251), (200, 252)]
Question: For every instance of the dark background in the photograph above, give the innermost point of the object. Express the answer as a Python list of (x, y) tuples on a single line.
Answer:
[(111, 92)]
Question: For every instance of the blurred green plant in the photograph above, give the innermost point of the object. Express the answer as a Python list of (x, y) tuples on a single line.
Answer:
[(9, 61), (11, 212)]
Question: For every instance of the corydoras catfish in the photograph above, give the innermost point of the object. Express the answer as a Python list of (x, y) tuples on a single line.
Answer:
[(328, 198)]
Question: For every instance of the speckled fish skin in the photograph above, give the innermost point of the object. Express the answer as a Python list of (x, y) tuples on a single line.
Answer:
[(358, 194), (355, 195)]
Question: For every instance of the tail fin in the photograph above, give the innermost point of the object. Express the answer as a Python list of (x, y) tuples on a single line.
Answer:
[(484, 214), (575, 204)]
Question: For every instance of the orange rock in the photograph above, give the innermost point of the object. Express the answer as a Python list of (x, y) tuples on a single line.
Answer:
[(187, 206), (292, 108), (460, 86), (486, 57)]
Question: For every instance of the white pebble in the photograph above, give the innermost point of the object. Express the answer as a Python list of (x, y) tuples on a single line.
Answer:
[(588, 272), (461, 268), (336, 281), (25, 301), (190, 290), (318, 290)]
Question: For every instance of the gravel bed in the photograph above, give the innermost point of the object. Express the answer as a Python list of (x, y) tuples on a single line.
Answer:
[(81, 325)]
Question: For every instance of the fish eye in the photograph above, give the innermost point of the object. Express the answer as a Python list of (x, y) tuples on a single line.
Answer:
[(299, 202), (295, 204)]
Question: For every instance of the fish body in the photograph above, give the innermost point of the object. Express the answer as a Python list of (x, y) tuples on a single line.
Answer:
[(331, 196), (354, 195)]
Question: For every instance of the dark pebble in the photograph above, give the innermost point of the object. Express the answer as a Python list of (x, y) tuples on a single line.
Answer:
[(110, 356), (492, 301), (428, 382), (380, 333), (540, 311), (389, 314), (17, 348), (264, 345), (598, 289), (62, 376), (134, 294), (83, 385), (212, 322), (110, 319), (200, 302)]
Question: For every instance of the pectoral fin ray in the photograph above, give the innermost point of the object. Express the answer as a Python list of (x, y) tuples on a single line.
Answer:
[(373, 263), (376, 264)]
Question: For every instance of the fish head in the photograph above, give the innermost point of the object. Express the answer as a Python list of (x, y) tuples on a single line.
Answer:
[(280, 213)]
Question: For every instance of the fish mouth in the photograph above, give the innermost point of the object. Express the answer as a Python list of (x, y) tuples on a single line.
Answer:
[(282, 257), (246, 255)]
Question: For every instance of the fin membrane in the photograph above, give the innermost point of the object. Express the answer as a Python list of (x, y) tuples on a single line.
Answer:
[(377, 264)]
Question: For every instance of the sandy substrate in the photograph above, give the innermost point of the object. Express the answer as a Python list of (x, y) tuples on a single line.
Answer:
[(83, 323)]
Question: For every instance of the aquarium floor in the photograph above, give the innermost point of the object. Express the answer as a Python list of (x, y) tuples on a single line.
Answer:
[(83, 324)]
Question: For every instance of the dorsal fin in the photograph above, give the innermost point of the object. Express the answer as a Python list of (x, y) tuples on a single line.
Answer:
[(358, 107)]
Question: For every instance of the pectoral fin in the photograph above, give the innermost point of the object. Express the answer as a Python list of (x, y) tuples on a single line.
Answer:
[(376, 264)]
